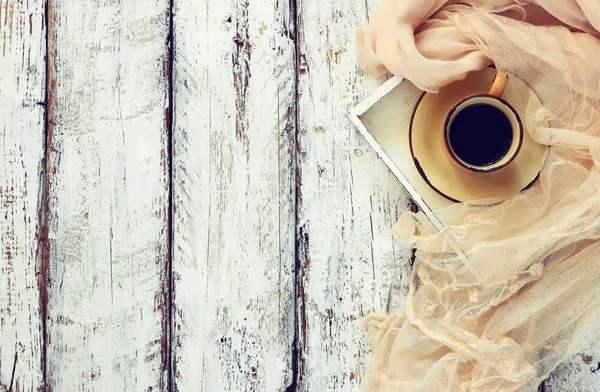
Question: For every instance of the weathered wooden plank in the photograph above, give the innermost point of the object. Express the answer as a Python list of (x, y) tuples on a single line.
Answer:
[(234, 195), (22, 91), (108, 195), (581, 373), (350, 264)]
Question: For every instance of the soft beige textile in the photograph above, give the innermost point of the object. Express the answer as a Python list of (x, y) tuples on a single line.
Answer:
[(436, 54), (526, 293)]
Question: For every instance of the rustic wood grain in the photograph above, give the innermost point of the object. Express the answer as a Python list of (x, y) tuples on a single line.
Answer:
[(22, 90), (350, 264), (581, 373), (234, 195), (108, 196), (282, 214)]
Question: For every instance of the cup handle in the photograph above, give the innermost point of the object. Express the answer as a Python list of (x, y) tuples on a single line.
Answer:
[(499, 84)]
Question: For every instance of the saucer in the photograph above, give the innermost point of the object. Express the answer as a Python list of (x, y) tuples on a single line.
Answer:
[(435, 164)]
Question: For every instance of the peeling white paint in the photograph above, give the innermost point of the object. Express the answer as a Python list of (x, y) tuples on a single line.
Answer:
[(22, 88), (108, 196), (236, 187), (234, 195), (349, 203)]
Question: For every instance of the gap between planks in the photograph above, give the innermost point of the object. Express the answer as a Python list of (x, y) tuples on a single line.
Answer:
[(297, 360), (170, 224)]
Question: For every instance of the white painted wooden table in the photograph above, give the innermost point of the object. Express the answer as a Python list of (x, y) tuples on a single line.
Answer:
[(184, 205)]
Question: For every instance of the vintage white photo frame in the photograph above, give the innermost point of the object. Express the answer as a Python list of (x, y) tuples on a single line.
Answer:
[(383, 119)]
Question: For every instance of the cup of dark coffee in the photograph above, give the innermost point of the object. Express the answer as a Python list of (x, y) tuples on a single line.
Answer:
[(483, 132)]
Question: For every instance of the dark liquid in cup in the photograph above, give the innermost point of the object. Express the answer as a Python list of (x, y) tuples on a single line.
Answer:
[(480, 135)]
